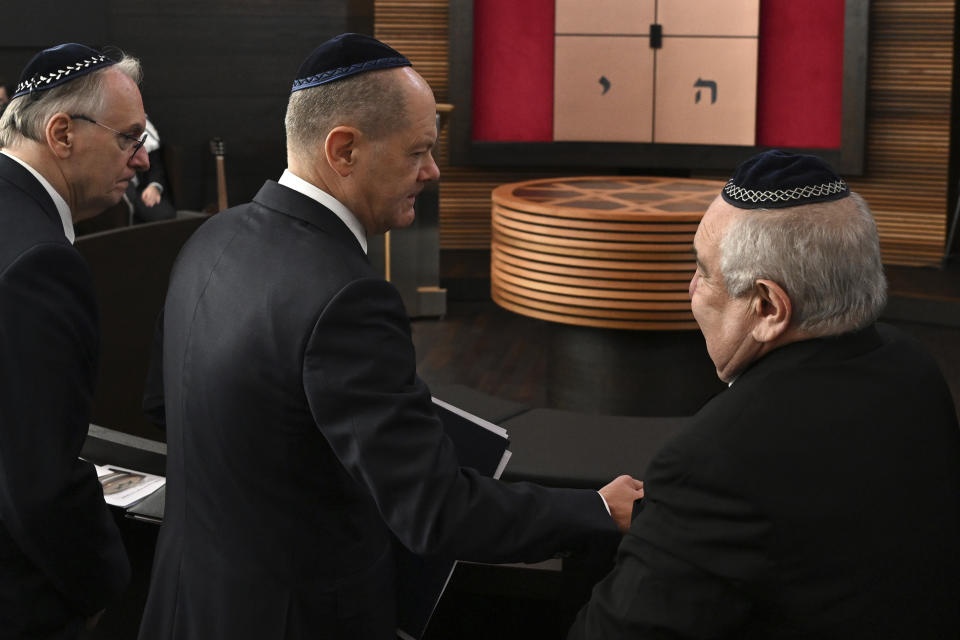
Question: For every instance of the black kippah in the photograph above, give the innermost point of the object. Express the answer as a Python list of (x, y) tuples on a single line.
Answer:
[(775, 180), (58, 65), (346, 55)]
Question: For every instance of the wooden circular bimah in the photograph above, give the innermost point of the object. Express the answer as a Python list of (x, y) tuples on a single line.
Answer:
[(594, 254), (614, 252)]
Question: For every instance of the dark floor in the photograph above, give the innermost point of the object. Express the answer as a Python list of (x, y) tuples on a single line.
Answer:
[(926, 282), (485, 347)]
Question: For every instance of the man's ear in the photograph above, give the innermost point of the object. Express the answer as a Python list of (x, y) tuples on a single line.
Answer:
[(59, 135), (340, 148), (772, 309)]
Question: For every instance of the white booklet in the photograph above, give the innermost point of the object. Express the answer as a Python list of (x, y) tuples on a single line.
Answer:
[(123, 487)]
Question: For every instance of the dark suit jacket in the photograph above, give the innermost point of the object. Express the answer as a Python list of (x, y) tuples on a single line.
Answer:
[(818, 497), (61, 557), (301, 441)]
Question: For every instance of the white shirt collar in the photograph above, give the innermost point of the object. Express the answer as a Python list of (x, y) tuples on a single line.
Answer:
[(62, 208), (300, 185)]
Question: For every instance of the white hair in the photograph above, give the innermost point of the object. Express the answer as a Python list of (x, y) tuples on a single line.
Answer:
[(825, 255)]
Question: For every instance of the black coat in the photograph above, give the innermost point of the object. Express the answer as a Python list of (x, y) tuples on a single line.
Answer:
[(818, 497), (301, 442), (61, 557)]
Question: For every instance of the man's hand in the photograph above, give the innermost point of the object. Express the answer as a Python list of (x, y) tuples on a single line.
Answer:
[(150, 196), (620, 496)]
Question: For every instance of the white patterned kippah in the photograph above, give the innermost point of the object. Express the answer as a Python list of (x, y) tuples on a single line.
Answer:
[(776, 179), (58, 65)]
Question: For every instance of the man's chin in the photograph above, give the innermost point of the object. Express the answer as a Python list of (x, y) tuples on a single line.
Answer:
[(405, 220), (94, 209)]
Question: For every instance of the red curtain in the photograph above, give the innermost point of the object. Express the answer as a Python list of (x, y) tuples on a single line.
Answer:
[(799, 77)]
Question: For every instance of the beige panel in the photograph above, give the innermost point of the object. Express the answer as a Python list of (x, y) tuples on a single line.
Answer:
[(581, 108), (685, 67), (604, 16), (709, 17)]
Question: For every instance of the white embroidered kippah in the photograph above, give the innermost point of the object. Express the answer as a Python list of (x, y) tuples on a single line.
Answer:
[(776, 179), (57, 65)]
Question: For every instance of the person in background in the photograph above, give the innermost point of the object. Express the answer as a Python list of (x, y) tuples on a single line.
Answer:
[(819, 495), (72, 139), (4, 98), (147, 195), (4, 95)]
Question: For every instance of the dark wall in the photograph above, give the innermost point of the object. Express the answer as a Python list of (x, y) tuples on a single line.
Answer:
[(212, 68), (25, 29)]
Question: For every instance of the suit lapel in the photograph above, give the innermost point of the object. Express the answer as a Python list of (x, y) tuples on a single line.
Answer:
[(14, 174)]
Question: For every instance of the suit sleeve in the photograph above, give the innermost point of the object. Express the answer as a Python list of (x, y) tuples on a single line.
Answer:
[(361, 384), (680, 569), (51, 503)]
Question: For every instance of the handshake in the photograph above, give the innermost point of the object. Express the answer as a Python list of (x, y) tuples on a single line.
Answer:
[(620, 495)]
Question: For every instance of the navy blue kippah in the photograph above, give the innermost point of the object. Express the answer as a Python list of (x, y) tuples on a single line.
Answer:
[(346, 55), (58, 65), (776, 179)]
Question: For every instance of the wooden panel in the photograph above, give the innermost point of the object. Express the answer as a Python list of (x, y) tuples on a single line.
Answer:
[(908, 130), (908, 125), (418, 30)]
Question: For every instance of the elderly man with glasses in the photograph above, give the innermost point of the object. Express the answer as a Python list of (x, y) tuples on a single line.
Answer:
[(72, 138)]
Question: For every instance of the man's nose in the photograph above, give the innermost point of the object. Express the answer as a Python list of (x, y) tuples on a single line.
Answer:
[(431, 171), (140, 160)]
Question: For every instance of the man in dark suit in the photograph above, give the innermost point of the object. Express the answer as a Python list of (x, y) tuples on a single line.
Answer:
[(71, 139), (819, 496), (301, 442)]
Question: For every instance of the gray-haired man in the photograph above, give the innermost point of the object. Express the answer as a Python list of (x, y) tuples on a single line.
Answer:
[(72, 138), (819, 496)]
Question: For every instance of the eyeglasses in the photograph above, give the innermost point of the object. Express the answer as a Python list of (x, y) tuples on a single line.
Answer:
[(126, 140)]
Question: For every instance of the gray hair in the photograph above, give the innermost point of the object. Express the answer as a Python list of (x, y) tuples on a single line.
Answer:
[(373, 102), (825, 255), (27, 116)]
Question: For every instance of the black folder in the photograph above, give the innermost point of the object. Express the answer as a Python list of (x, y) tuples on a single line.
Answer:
[(150, 509), (481, 445)]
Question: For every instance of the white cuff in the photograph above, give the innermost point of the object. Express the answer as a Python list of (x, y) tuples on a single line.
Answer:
[(605, 505)]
